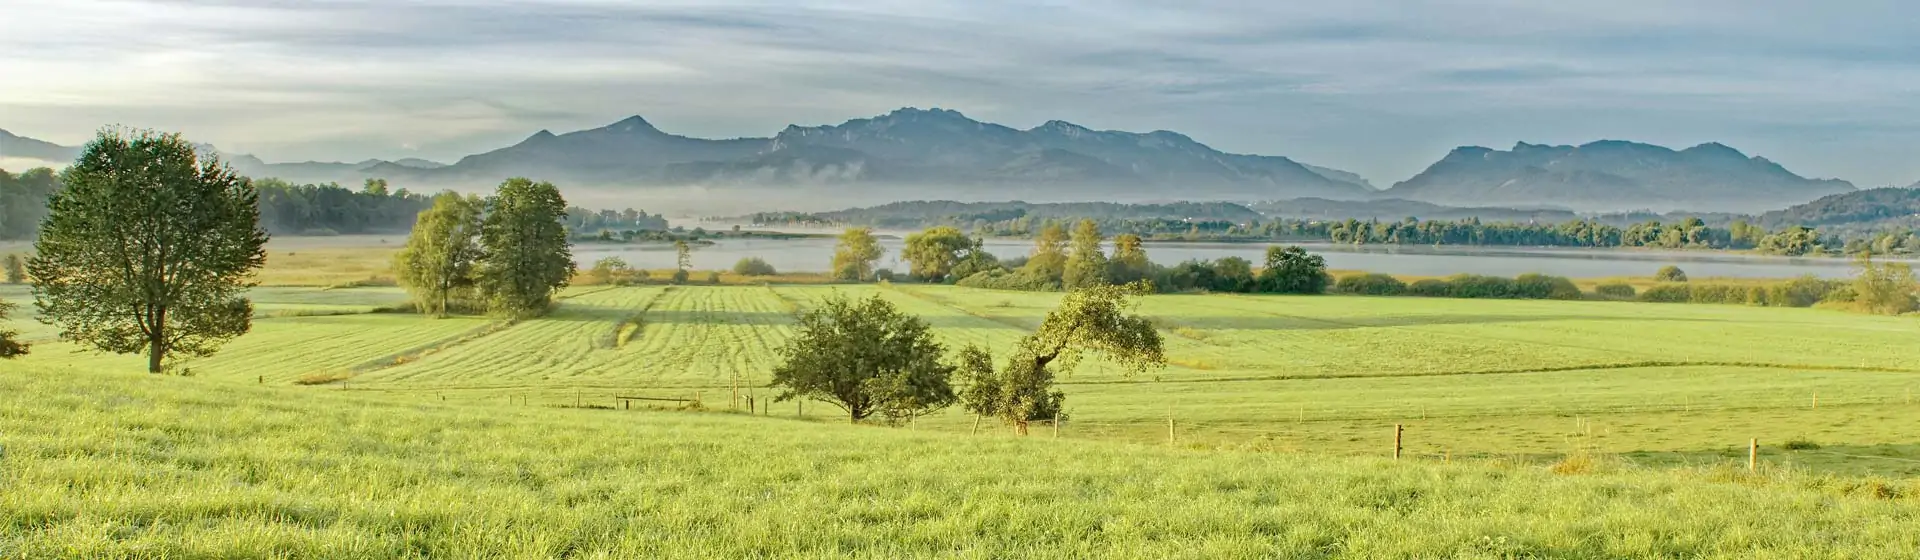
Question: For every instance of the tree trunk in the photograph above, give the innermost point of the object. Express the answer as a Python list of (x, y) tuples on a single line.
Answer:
[(156, 341), (1020, 427)]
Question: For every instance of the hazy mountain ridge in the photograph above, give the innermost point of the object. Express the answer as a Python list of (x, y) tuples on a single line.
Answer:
[(1611, 175), (1859, 210)]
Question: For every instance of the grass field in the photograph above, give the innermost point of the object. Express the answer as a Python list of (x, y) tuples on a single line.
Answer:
[(1525, 381), (115, 465)]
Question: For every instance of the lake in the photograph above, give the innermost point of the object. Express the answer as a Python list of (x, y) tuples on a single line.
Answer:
[(814, 255)]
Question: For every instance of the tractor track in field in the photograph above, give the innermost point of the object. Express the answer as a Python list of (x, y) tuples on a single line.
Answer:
[(1357, 325)]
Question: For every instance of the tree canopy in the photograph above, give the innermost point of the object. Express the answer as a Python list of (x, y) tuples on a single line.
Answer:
[(527, 255), (855, 254), (149, 247), (866, 357), (1086, 265), (9, 346), (1096, 319), (934, 253), (440, 262), (1292, 270)]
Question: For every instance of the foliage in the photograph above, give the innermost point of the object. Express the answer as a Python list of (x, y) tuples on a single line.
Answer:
[(1086, 265), (1093, 319), (753, 266), (584, 221), (16, 269), (1370, 284), (855, 254), (1292, 270), (1233, 275), (1541, 286), (528, 256), (1049, 258), (1430, 287), (1615, 290), (998, 279), (867, 358), (440, 262), (23, 201), (10, 345), (1884, 288), (1793, 241), (328, 209), (149, 247), (1130, 263), (1670, 273), (611, 270), (934, 253)]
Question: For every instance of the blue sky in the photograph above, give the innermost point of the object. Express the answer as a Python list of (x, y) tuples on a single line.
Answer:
[(1829, 89)]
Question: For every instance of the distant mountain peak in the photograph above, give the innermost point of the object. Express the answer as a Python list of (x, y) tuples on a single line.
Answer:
[(1609, 175), (633, 124)]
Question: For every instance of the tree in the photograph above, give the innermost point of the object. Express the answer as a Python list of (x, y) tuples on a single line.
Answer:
[(867, 358), (1086, 265), (1292, 270), (1049, 259), (9, 348), (528, 256), (855, 254), (1670, 273), (934, 253), (148, 248), (1093, 319), (1130, 263), (610, 270), (442, 254), (376, 187), (753, 266), (1884, 288), (683, 261), (16, 269)]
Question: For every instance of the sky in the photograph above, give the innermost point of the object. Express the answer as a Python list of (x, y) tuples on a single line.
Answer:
[(1828, 89)]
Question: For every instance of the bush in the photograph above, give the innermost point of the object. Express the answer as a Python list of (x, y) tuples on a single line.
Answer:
[(753, 266), (1541, 286), (1429, 288), (713, 277), (1802, 292), (680, 276), (1016, 280), (883, 275), (1667, 293), (1371, 284), (1670, 273), (1292, 270), (1475, 286), (1614, 290), (1717, 293)]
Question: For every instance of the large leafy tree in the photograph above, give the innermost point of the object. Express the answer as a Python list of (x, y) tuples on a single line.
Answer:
[(528, 256), (1087, 265), (854, 256), (935, 252), (443, 253), (1292, 270), (1094, 319), (148, 248), (868, 358)]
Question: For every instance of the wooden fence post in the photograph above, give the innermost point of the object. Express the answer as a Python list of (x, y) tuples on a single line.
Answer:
[(263, 380), (1816, 400), (976, 426), (1397, 429), (1170, 438), (1753, 454), (1056, 425)]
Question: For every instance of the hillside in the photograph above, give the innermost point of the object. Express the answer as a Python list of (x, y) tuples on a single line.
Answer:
[(1612, 175), (14, 147), (103, 465), (923, 213), (1854, 211)]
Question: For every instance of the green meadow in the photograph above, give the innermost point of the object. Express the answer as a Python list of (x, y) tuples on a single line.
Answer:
[(1531, 429)]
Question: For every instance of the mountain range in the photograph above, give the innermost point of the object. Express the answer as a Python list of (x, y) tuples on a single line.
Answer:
[(914, 153)]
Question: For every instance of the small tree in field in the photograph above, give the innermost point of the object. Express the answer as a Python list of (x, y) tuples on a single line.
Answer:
[(528, 256), (1292, 270), (1086, 265), (610, 270), (1093, 319), (683, 256), (442, 254), (753, 266), (149, 247), (8, 346), (1670, 273), (16, 269), (855, 254), (1886, 288), (867, 358)]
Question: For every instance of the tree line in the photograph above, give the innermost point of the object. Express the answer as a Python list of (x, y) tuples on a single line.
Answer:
[(506, 254)]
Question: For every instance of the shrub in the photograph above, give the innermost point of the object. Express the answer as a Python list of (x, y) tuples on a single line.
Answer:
[(1016, 280), (1802, 292), (1479, 287), (1371, 284), (713, 277), (753, 266), (1291, 270), (1667, 293), (1429, 288), (1717, 293), (680, 276), (1670, 273), (1799, 444), (1615, 290), (883, 275), (1541, 286)]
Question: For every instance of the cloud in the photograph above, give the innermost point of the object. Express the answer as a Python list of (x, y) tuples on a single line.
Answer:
[(1378, 87)]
